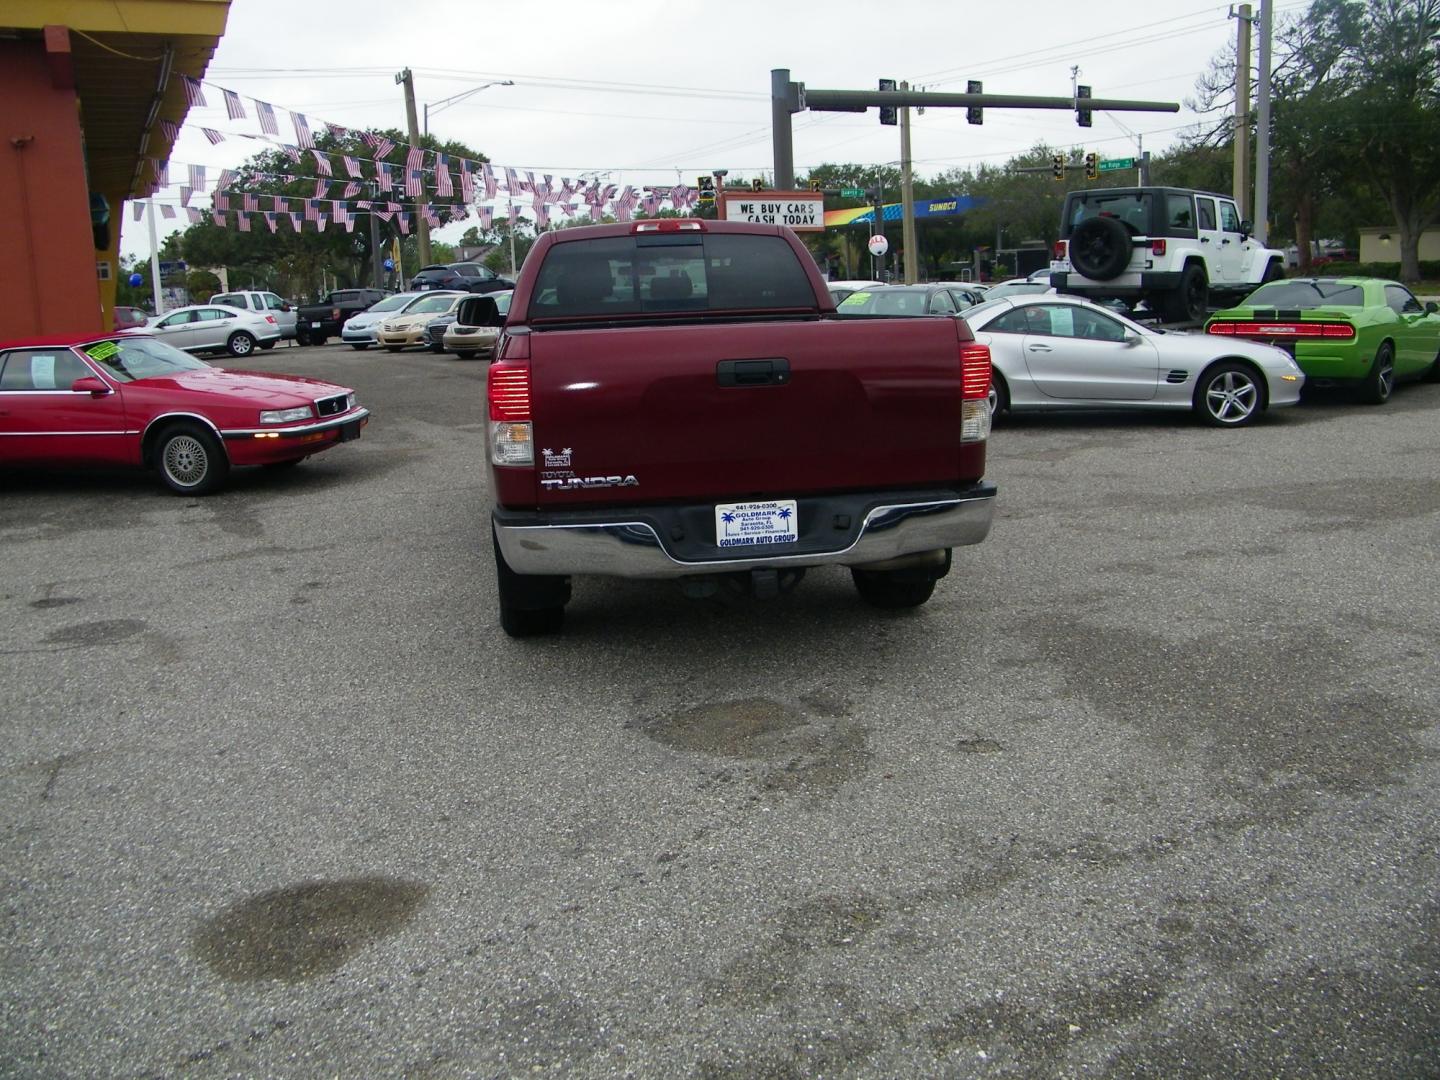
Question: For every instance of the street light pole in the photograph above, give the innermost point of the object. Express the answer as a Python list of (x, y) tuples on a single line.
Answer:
[(445, 103)]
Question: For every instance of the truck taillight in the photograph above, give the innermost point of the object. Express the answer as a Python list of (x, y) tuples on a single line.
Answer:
[(974, 391), (511, 435), (1157, 247), (1060, 246), (974, 370)]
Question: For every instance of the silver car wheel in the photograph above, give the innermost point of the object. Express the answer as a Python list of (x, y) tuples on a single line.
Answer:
[(1232, 397), (185, 460)]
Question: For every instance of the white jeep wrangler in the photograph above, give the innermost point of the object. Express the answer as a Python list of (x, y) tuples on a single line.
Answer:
[(1171, 247)]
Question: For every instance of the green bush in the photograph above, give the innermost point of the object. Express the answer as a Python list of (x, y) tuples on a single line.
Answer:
[(1429, 271)]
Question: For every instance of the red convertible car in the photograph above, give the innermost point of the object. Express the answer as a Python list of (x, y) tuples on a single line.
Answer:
[(129, 400)]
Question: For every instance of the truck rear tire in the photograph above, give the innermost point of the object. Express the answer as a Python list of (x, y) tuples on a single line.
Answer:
[(908, 587), (531, 605)]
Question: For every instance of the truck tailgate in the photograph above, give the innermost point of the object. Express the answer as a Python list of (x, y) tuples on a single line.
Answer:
[(748, 409)]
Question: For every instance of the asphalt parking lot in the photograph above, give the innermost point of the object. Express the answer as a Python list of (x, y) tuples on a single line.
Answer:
[(1150, 788)]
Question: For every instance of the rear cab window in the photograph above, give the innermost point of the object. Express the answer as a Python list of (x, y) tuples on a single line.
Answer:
[(670, 273)]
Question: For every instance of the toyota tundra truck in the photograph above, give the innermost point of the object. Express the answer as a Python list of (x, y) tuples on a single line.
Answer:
[(678, 399)]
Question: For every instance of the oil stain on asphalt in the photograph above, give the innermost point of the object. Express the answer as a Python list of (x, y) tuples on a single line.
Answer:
[(301, 931)]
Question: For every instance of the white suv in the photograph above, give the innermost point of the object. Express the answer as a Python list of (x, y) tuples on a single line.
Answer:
[(1171, 247)]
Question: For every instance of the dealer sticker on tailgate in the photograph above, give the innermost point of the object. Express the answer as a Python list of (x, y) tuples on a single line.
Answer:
[(755, 524)]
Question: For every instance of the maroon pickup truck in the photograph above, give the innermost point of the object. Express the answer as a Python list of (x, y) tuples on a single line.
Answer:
[(678, 399)]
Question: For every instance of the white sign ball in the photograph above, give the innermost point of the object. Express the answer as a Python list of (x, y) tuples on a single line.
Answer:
[(878, 244)]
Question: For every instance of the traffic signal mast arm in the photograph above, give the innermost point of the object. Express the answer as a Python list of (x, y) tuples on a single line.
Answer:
[(860, 100)]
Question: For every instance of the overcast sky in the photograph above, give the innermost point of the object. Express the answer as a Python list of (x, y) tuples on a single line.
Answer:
[(660, 92)]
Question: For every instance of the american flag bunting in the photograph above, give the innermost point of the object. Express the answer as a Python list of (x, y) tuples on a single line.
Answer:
[(213, 135), (444, 187), (250, 202), (170, 130), (387, 182), (351, 190), (302, 130), (185, 194), (166, 210), (266, 112), (352, 167), (193, 214), (270, 220), (414, 183), (233, 108), (218, 218), (137, 210), (194, 95), (242, 222), (322, 188), (487, 175), (467, 182), (403, 220)]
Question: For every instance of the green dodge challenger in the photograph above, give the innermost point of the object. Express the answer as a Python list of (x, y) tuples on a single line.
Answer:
[(1367, 332)]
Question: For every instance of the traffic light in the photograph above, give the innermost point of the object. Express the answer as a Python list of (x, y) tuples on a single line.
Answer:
[(706, 184), (1057, 166), (974, 114), (1092, 166), (757, 184), (888, 113), (1082, 114)]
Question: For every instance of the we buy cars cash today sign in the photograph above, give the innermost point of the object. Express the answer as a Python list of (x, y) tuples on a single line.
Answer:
[(803, 211)]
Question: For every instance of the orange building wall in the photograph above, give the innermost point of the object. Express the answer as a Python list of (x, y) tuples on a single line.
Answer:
[(47, 251)]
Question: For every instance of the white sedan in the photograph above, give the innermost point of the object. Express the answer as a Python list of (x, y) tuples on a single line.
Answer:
[(1060, 352), (213, 328)]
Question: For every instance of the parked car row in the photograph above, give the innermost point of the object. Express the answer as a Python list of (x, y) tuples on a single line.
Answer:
[(1051, 351), (425, 320)]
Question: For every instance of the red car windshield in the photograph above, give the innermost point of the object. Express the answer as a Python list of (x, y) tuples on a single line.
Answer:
[(128, 359)]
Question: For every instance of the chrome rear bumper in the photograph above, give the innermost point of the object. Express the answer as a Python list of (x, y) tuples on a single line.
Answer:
[(639, 545)]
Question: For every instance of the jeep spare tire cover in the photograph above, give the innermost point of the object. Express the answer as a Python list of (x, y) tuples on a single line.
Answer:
[(1100, 248)]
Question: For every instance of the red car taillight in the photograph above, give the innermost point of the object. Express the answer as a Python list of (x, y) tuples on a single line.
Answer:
[(511, 433), (1060, 248), (1157, 247), (1343, 331), (270, 319)]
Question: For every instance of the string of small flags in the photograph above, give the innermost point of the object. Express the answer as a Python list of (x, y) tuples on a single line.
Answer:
[(422, 170)]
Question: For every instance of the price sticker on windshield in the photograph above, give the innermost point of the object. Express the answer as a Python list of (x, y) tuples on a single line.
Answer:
[(756, 524)]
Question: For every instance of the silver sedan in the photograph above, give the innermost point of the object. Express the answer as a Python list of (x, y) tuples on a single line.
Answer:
[(213, 328), (1060, 352)]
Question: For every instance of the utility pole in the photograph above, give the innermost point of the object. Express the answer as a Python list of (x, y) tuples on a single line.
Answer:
[(907, 198), (154, 258), (1240, 139), (422, 228), (1262, 127)]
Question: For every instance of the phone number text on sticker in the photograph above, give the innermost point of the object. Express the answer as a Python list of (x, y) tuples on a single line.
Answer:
[(756, 524)]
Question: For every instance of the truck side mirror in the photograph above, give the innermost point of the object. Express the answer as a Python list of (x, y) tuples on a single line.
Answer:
[(1246, 228), (478, 311), (1431, 307)]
